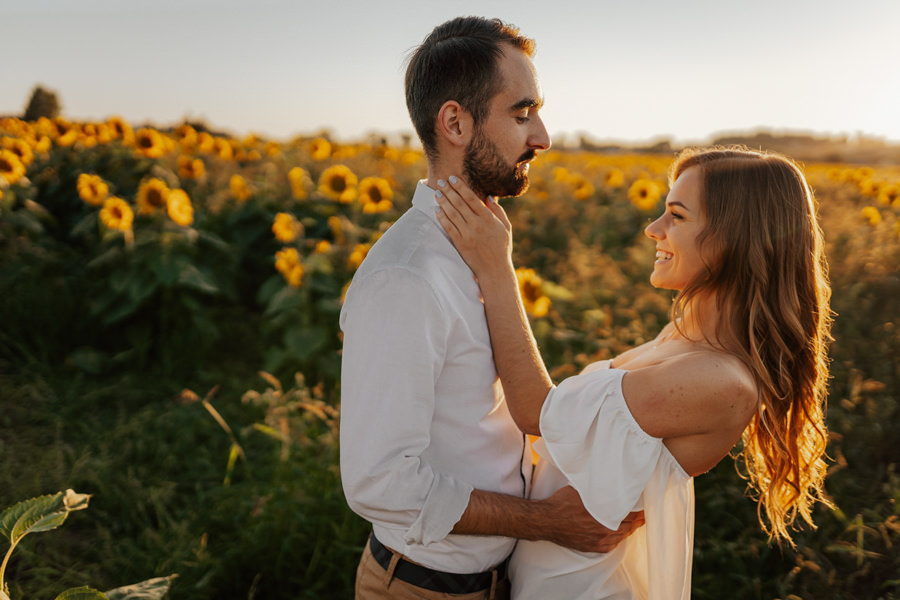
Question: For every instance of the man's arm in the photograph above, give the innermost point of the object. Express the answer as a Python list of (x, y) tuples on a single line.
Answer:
[(561, 519)]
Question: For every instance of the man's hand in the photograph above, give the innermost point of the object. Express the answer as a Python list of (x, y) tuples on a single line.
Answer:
[(574, 527)]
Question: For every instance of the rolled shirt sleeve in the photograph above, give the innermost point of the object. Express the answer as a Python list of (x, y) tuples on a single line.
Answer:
[(395, 337)]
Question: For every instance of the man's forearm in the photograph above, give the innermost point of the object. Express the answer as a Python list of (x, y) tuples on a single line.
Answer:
[(561, 519)]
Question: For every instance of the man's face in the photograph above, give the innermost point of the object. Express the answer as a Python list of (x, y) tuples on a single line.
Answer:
[(504, 143)]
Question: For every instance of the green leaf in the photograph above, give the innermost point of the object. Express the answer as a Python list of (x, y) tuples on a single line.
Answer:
[(82, 593), (191, 276), (39, 514), (304, 342), (151, 589), (286, 299)]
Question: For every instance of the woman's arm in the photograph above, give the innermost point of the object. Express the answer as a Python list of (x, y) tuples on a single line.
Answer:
[(482, 235)]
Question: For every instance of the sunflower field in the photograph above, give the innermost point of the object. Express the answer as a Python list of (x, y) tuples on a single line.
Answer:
[(169, 344)]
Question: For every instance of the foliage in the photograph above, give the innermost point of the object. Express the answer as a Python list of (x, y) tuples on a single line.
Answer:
[(113, 310)]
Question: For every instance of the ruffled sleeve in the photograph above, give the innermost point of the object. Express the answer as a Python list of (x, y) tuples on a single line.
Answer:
[(593, 439)]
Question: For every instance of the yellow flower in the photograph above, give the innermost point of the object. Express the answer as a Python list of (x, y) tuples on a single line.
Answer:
[(322, 247), (42, 145), (644, 194), (223, 148), (152, 194), (872, 215), (375, 195), (190, 168), (11, 168), (358, 255), (338, 183), (116, 214), (615, 178), (337, 229), (187, 136), (286, 228), (320, 149), (120, 130), (92, 189), (287, 262), (583, 189), (239, 188), (889, 194), (180, 208), (298, 178), (20, 148), (150, 143), (66, 132), (530, 288)]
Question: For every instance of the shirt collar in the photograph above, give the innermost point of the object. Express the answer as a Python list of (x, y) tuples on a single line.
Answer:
[(424, 200)]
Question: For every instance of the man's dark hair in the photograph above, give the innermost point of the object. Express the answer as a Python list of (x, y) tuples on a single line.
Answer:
[(457, 61)]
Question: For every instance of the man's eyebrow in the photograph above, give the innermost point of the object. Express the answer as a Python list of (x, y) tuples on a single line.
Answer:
[(528, 103)]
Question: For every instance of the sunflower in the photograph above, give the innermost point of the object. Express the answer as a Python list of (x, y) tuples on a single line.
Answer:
[(531, 289), (120, 130), (180, 208), (644, 194), (152, 194), (615, 178), (299, 179), (223, 148), (11, 167), (239, 188), (320, 149), (20, 148), (871, 214), (358, 255), (187, 136), (116, 214), (92, 189), (582, 188), (889, 194), (66, 133), (338, 183), (337, 229), (190, 168), (149, 142), (286, 228), (322, 247), (375, 195), (205, 142), (287, 262)]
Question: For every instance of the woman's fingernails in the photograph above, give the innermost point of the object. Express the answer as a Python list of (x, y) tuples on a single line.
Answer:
[(453, 179), (442, 183), (438, 194)]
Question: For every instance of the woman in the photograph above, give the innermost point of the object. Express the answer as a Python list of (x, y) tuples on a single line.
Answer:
[(743, 355)]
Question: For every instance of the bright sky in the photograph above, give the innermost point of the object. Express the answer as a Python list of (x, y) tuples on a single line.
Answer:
[(613, 70)]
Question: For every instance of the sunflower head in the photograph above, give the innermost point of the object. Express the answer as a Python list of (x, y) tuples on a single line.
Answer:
[(239, 188), (615, 178), (871, 214), (299, 179), (116, 214), (286, 228), (287, 262), (150, 142), (536, 303), (92, 189), (11, 167), (180, 208), (20, 148), (152, 195), (338, 183), (644, 194), (320, 149), (375, 194), (190, 168)]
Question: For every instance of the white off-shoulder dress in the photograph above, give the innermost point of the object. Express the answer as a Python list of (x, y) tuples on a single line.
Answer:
[(592, 442)]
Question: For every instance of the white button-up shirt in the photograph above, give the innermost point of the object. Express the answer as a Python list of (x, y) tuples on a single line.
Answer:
[(423, 417)]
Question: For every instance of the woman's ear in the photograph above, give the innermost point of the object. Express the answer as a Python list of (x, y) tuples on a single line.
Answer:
[(454, 124)]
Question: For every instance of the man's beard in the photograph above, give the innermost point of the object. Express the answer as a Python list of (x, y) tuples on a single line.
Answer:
[(488, 174)]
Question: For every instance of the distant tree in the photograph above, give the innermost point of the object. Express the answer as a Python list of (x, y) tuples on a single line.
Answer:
[(43, 103)]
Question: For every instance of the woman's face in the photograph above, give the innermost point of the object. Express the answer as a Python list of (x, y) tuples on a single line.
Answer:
[(678, 259)]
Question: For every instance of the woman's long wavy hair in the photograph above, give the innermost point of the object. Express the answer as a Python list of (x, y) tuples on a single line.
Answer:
[(766, 267)]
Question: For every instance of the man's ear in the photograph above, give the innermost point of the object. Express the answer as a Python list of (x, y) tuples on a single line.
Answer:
[(454, 123)]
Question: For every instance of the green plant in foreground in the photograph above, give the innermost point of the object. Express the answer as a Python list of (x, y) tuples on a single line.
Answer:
[(49, 512)]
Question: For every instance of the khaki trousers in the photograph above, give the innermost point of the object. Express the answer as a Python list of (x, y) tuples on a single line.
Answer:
[(373, 582)]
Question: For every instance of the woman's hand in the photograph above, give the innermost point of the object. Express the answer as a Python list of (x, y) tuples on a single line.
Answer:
[(480, 231)]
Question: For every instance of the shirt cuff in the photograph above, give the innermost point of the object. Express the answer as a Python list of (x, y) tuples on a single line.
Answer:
[(444, 506)]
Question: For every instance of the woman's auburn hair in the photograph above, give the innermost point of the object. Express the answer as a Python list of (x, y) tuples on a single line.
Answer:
[(766, 267)]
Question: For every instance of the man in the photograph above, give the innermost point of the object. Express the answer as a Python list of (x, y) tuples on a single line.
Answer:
[(429, 453)]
